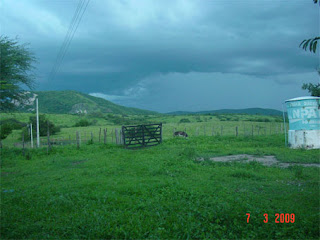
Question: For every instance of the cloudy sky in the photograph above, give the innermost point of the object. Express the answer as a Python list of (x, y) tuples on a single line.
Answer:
[(169, 55)]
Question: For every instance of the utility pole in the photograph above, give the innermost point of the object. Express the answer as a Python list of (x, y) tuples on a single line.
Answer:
[(38, 130), (31, 136)]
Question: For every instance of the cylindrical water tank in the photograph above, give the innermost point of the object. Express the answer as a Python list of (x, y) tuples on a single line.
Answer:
[(304, 122)]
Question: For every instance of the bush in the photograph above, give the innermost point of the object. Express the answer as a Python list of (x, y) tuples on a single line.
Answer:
[(5, 130), (6, 127), (44, 123), (82, 123), (184, 120)]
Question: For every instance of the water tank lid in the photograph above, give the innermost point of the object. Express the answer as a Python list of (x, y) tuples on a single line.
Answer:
[(302, 98)]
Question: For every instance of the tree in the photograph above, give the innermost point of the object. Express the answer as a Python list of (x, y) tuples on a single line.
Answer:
[(314, 89), (312, 42), (16, 65)]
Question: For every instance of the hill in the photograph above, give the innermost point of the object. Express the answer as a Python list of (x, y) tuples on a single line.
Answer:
[(74, 102), (250, 111)]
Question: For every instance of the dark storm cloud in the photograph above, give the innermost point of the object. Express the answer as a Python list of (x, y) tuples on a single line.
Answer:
[(123, 47)]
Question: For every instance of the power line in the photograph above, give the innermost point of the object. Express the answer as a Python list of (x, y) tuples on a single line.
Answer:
[(69, 36), (62, 48), (68, 44)]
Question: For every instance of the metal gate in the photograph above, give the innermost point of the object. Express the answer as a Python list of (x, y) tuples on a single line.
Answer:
[(142, 135)]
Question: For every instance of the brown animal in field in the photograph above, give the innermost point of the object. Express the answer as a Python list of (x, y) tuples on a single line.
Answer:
[(180, 134)]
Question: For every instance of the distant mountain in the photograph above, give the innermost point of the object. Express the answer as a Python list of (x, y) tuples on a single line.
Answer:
[(250, 111), (74, 102)]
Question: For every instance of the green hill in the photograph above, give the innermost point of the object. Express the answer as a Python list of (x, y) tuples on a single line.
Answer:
[(250, 111), (74, 102)]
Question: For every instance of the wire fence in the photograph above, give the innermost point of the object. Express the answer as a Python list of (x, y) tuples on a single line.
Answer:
[(114, 135)]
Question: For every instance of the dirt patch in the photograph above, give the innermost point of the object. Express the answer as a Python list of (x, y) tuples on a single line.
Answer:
[(264, 160)]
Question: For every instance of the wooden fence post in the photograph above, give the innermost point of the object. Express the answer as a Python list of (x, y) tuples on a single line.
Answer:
[(112, 136), (23, 152), (236, 131), (78, 139), (117, 135), (104, 136), (48, 138), (91, 137)]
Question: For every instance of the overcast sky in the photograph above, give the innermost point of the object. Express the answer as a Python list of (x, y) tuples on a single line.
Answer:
[(169, 55)]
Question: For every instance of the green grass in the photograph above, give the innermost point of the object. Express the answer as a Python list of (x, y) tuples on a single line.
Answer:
[(105, 191)]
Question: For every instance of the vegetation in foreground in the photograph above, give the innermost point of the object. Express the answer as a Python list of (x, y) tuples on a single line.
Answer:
[(105, 191)]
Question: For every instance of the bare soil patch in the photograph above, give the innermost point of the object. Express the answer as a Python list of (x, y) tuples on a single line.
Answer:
[(264, 160)]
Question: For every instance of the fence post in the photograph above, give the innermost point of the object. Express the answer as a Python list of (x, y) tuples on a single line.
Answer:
[(104, 136), (120, 136), (123, 136), (112, 136), (23, 152), (77, 139), (244, 129), (91, 137), (236, 131), (143, 141), (48, 137), (31, 136), (100, 135), (116, 135)]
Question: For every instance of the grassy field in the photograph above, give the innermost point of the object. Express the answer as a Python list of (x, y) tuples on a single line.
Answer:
[(198, 125), (105, 191)]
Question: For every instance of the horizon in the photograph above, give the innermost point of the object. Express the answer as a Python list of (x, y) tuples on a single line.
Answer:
[(171, 55)]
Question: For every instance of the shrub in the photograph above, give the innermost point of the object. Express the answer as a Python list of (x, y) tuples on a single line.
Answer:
[(184, 120), (82, 123), (44, 123), (5, 130), (6, 127)]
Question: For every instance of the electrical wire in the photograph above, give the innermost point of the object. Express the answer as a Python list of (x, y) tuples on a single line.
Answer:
[(77, 17)]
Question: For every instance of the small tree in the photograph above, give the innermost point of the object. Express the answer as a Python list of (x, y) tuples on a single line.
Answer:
[(311, 43), (43, 126), (313, 89), (15, 73)]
